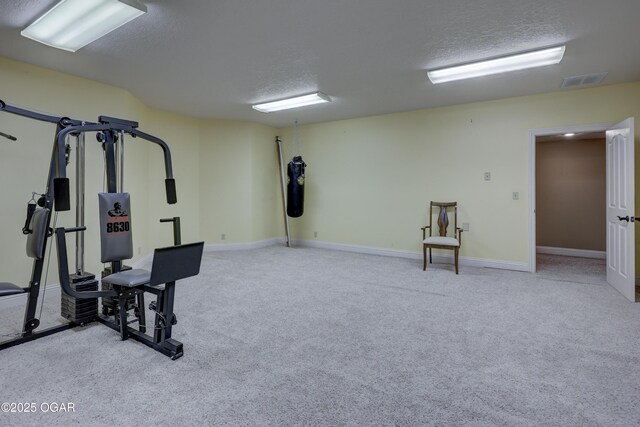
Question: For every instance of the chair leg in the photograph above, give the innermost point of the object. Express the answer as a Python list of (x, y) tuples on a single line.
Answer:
[(424, 253), (430, 258), (456, 258)]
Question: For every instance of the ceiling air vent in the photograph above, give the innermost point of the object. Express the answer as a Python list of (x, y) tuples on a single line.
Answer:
[(585, 80)]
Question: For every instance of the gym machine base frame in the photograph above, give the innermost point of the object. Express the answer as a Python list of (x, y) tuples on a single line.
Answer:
[(161, 340), (36, 335), (167, 346)]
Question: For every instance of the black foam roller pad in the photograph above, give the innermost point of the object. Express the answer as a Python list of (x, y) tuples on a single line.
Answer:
[(170, 185), (61, 194)]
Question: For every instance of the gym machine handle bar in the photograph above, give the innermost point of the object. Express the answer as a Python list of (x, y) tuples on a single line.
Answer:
[(170, 184), (74, 229), (63, 121), (77, 126), (177, 238)]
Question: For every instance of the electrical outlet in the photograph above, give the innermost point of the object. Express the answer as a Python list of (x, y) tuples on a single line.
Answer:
[(315, 234), (487, 176), (223, 236), (516, 195), (465, 226)]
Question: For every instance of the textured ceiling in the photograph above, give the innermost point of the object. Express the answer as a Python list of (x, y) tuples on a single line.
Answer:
[(216, 58)]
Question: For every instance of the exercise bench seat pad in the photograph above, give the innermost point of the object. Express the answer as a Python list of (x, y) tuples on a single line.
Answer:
[(129, 278), (7, 289)]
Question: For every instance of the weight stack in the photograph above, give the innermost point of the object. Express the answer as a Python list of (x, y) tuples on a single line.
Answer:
[(78, 310), (109, 304)]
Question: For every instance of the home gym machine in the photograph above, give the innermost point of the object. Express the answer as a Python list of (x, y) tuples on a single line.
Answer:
[(122, 287)]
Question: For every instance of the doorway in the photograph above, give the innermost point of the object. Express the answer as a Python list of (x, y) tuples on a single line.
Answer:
[(571, 211), (619, 202), (533, 136)]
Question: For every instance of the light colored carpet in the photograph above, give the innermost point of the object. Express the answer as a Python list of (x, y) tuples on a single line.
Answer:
[(572, 269), (303, 336)]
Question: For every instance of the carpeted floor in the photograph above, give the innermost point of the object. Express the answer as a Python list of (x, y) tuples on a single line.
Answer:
[(572, 269), (303, 336)]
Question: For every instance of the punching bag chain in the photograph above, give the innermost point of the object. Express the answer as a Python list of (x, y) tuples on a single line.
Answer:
[(296, 141)]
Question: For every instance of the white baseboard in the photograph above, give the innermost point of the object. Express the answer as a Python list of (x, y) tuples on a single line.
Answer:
[(580, 253), (400, 253), (397, 253), (214, 247), (21, 299), (146, 260)]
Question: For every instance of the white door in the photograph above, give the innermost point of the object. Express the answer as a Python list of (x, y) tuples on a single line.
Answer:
[(620, 209)]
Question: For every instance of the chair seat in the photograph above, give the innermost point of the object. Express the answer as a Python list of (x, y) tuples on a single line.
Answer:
[(441, 241), (128, 278), (10, 289)]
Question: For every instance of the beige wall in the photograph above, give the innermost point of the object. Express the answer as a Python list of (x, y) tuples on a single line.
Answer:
[(571, 194), (238, 182), (369, 180), (266, 209), (226, 172)]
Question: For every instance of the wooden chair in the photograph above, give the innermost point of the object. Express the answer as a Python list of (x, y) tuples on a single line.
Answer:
[(441, 241)]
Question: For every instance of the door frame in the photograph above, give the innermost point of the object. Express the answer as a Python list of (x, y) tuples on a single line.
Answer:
[(533, 133)]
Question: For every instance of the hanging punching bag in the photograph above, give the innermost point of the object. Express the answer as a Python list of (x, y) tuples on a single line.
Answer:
[(295, 187)]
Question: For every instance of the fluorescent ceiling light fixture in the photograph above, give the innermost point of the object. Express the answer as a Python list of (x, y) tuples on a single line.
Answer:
[(72, 24), (568, 135), (298, 101), (516, 62)]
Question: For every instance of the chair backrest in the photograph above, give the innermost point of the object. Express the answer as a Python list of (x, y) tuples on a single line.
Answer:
[(176, 262), (443, 218)]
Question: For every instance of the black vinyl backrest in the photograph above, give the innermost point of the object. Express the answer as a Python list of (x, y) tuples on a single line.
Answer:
[(38, 228), (176, 262), (116, 231)]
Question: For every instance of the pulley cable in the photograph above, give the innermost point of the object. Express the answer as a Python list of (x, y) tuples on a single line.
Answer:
[(46, 274)]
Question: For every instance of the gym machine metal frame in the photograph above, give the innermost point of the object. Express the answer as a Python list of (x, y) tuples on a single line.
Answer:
[(108, 130), (57, 196)]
